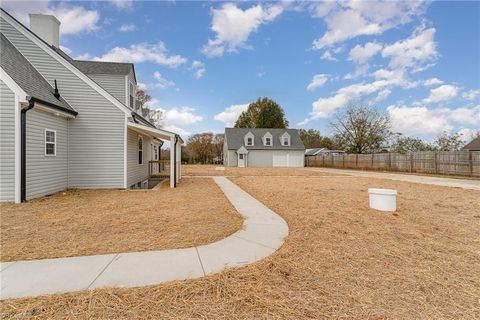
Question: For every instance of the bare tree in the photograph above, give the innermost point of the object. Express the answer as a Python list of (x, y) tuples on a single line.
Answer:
[(361, 129), (447, 141)]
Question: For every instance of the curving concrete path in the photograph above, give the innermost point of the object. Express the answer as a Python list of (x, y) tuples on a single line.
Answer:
[(263, 233)]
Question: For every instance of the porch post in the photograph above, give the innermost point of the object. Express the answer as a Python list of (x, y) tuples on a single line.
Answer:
[(172, 162), (179, 161)]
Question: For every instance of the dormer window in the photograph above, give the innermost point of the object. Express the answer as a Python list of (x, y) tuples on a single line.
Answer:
[(268, 139), (285, 139), (249, 139)]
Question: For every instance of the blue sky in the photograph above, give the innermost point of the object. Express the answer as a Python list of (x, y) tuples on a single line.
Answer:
[(203, 62)]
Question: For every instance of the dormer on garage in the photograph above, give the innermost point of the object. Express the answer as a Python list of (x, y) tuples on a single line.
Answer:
[(249, 139)]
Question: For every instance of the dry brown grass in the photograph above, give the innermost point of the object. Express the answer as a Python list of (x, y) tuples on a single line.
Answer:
[(210, 170), (341, 260), (86, 222)]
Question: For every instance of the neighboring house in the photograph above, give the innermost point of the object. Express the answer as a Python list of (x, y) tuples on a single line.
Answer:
[(473, 145), (67, 123), (252, 147), (321, 151)]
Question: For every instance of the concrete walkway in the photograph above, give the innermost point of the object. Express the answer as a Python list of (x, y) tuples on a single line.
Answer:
[(438, 181), (263, 233)]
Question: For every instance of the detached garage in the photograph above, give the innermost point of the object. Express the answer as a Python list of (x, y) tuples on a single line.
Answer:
[(258, 147)]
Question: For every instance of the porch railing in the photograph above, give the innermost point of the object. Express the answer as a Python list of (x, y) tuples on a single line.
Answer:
[(159, 168)]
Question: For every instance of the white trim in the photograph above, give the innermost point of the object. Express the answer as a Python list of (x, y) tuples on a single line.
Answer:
[(17, 150), (65, 63), (125, 154), (58, 113), (126, 91), (140, 137), (54, 143), (247, 136), (172, 164), (285, 135), (12, 85), (159, 133)]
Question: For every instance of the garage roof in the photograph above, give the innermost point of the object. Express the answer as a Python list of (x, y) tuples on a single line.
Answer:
[(235, 138)]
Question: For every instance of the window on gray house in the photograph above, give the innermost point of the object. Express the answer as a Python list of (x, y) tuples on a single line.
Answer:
[(140, 150), (50, 142), (249, 141)]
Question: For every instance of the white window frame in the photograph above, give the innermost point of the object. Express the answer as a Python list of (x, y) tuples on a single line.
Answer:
[(140, 138), (54, 143), (282, 139), (251, 136), (269, 136)]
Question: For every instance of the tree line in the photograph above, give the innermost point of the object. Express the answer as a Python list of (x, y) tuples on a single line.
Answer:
[(356, 128)]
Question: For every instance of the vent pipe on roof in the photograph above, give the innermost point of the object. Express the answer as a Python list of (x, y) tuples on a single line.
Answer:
[(56, 94), (46, 27)]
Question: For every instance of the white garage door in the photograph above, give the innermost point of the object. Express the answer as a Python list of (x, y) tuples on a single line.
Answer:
[(287, 159), (280, 159)]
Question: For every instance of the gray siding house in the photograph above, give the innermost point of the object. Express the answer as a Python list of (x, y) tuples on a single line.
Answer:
[(256, 147), (67, 123)]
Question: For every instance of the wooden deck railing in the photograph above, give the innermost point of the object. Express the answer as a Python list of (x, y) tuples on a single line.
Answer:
[(159, 168)]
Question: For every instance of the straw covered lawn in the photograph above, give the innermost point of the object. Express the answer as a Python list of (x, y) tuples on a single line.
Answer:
[(340, 260), (219, 170), (87, 222)]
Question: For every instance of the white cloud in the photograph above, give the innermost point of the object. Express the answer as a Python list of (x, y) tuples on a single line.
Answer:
[(471, 94), (233, 26), (162, 83), (142, 86), (143, 52), (432, 82), (422, 120), (198, 68), (174, 119), (327, 55), (123, 4), (129, 27), (349, 19), (465, 115), (180, 116), (419, 48), (231, 114), (74, 19), (468, 134), (317, 81), (442, 93), (381, 88), (66, 50), (417, 120), (361, 54)]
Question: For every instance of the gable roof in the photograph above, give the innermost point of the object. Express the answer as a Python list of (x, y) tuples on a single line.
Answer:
[(102, 67), (313, 151), (235, 138), (67, 63), (473, 145), (29, 79)]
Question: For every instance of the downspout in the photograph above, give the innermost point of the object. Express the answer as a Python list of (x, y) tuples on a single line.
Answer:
[(175, 162), (23, 152)]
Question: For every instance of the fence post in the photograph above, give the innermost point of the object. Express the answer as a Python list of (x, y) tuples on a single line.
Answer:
[(389, 161), (435, 162), (356, 160), (372, 161), (470, 161), (411, 162), (343, 161)]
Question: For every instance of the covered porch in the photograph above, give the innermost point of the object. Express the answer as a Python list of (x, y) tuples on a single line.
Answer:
[(163, 168)]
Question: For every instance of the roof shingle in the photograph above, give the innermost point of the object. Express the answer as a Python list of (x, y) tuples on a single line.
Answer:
[(28, 78), (235, 138)]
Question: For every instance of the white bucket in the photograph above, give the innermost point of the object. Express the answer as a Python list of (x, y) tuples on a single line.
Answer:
[(383, 199)]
